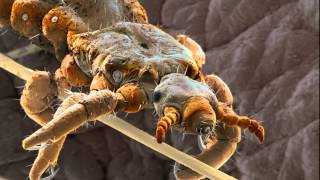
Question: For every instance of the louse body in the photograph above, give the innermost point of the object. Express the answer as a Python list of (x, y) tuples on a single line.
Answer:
[(128, 65)]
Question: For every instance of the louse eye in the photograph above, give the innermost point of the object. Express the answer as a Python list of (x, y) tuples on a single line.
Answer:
[(54, 19), (25, 17), (157, 96)]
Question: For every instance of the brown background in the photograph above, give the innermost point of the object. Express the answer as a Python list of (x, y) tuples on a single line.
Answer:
[(266, 51)]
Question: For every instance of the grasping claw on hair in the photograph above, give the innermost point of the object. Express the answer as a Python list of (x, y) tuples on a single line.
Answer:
[(206, 132), (52, 171)]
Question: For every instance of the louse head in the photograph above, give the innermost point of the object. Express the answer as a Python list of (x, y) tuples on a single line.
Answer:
[(194, 100), (26, 16)]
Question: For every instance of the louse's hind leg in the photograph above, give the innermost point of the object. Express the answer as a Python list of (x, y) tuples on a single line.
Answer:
[(49, 153), (219, 148)]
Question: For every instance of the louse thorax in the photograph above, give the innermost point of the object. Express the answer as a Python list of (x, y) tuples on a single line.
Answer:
[(5, 12), (26, 16), (131, 52)]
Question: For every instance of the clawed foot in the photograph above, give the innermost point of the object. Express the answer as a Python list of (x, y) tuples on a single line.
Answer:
[(205, 131), (52, 172)]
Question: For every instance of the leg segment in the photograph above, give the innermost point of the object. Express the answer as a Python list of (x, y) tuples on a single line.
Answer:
[(96, 104), (197, 52), (37, 97), (48, 154), (5, 12), (220, 88), (135, 11), (216, 155), (26, 16), (228, 116), (73, 74)]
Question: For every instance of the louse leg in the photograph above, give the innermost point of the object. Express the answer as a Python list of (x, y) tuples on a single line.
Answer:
[(135, 11), (220, 89), (216, 155), (225, 112), (47, 157), (5, 12), (96, 104), (73, 74), (60, 24), (218, 149), (48, 154), (37, 97), (26, 16), (229, 117), (196, 50)]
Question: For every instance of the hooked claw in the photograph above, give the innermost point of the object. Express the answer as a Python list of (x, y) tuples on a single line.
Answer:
[(52, 173), (258, 130), (205, 131)]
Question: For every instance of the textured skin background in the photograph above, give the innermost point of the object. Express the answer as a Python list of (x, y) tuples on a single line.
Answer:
[(266, 51)]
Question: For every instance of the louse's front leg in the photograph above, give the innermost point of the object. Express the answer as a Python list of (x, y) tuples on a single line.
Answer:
[(37, 98), (49, 153), (96, 104), (37, 101)]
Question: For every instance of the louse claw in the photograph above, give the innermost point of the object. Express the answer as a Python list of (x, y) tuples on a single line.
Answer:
[(205, 131), (52, 173)]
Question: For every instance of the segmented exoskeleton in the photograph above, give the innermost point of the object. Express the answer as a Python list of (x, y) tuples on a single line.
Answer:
[(128, 64)]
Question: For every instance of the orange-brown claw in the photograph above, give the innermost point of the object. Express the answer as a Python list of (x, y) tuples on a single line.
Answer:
[(160, 134), (257, 130)]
